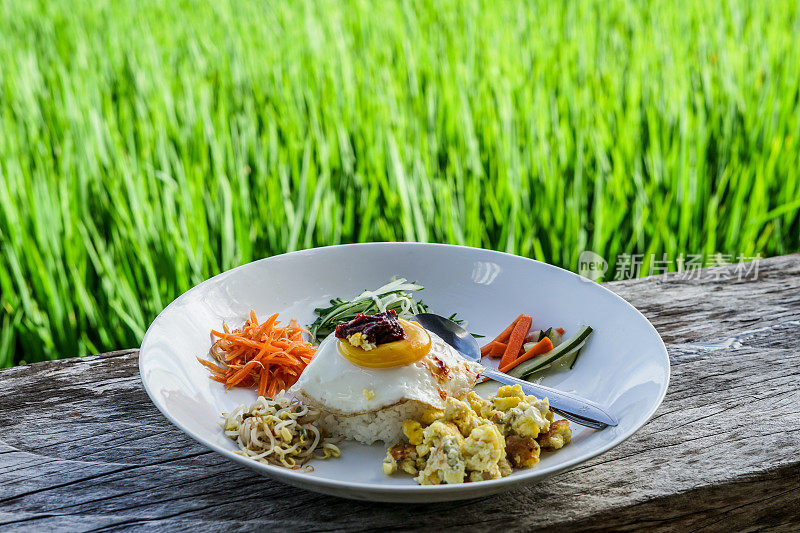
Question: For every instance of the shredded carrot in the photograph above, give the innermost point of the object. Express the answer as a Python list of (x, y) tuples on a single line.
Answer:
[(214, 368), (560, 331), (265, 355), (541, 347), (516, 339), (262, 383)]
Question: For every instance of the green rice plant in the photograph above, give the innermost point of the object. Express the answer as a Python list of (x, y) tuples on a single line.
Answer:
[(145, 146)]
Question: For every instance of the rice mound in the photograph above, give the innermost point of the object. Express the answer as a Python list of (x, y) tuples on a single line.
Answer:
[(384, 424)]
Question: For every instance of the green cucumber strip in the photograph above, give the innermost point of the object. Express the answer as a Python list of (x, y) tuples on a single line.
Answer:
[(542, 369), (562, 350), (575, 357), (568, 362)]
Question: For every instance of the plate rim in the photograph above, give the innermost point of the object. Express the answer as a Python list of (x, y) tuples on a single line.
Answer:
[(458, 491)]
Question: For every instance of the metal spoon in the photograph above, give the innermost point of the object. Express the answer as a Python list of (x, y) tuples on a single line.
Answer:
[(579, 410)]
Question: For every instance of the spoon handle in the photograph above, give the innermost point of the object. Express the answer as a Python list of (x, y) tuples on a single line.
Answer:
[(571, 404)]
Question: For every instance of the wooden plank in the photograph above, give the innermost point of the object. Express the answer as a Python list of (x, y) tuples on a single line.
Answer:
[(82, 447)]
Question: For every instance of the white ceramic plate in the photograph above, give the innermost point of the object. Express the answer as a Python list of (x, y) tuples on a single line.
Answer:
[(624, 366)]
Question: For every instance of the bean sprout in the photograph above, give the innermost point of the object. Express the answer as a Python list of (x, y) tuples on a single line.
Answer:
[(278, 431)]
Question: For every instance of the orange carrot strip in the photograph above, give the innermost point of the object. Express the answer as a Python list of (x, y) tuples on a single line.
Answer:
[(243, 373), (560, 331), (294, 345), (282, 343), (541, 347), (506, 333), (266, 351), (516, 339), (247, 342), (262, 383), (267, 326), (214, 368), (486, 349), (492, 347), (235, 354), (498, 350), (278, 358), (263, 355)]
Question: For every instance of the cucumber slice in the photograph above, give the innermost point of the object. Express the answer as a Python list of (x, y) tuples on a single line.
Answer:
[(574, 343), (554, 336), (569, 361), (577, 353), (533, 337)]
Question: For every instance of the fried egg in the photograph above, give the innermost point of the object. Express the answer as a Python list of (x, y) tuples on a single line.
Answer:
[(341, 386)]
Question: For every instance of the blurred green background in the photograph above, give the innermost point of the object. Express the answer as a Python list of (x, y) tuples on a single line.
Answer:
[(146, 146)]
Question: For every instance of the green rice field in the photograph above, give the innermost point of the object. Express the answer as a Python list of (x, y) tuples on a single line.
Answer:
[(146, 146)]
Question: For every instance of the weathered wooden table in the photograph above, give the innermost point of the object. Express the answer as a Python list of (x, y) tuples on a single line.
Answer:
[(82, 447)]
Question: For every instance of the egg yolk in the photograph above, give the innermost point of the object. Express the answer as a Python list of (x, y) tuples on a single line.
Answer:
[(414, 347)]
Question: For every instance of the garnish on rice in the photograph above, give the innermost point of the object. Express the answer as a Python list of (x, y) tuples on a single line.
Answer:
[(262, 355), (368, 331), (382, 340), (395, 296)]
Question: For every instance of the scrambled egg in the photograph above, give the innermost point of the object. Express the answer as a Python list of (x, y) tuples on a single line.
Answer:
[(445, 462), (403, 457), (559, 434), (477, 439), (522, 452)]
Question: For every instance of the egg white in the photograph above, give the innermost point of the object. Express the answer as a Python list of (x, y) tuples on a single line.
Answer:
[(340, 386)]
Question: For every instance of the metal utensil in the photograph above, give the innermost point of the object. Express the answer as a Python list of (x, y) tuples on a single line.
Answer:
[(570, 406)]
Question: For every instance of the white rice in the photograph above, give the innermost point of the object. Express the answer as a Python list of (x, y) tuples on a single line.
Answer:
[(385, 424)]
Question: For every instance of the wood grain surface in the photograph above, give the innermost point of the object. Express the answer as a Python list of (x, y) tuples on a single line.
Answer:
[(82, 447)]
